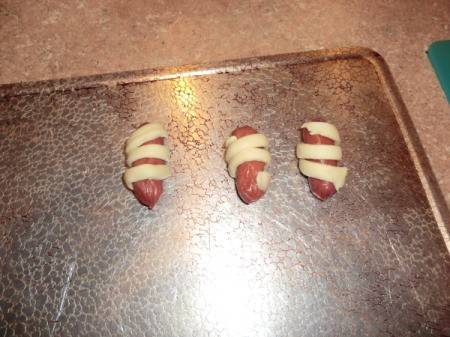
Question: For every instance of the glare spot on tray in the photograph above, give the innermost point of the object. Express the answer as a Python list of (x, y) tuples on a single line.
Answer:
[(184, 94), (234, 300), (229, 297)]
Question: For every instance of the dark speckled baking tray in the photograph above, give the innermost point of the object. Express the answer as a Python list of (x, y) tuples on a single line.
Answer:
[(80, 256)]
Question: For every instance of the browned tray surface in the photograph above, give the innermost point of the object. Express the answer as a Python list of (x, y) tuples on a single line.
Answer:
[(80, 256)]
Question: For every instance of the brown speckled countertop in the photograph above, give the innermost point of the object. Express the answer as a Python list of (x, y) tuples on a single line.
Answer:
[(53, 39)]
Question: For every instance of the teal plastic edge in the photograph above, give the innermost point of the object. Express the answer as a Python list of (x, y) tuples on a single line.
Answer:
[(439, 54)]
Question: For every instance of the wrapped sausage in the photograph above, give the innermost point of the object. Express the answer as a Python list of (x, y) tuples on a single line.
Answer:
[(247, 156), (319, 153), (147, 157)]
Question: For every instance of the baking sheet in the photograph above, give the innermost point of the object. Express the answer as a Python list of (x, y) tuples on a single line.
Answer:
[(80, 256)]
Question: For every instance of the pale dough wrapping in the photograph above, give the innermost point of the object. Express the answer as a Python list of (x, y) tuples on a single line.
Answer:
[(134, 151), (334, 174), (324, 129), (249, 148)]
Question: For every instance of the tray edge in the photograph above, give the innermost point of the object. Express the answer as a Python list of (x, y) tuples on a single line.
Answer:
[(421, 161)]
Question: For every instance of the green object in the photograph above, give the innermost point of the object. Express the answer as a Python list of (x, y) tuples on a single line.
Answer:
[(439, 54)]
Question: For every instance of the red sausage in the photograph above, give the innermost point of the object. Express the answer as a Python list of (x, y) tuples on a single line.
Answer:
[(319, 188), (149, 191), (247, 172)]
